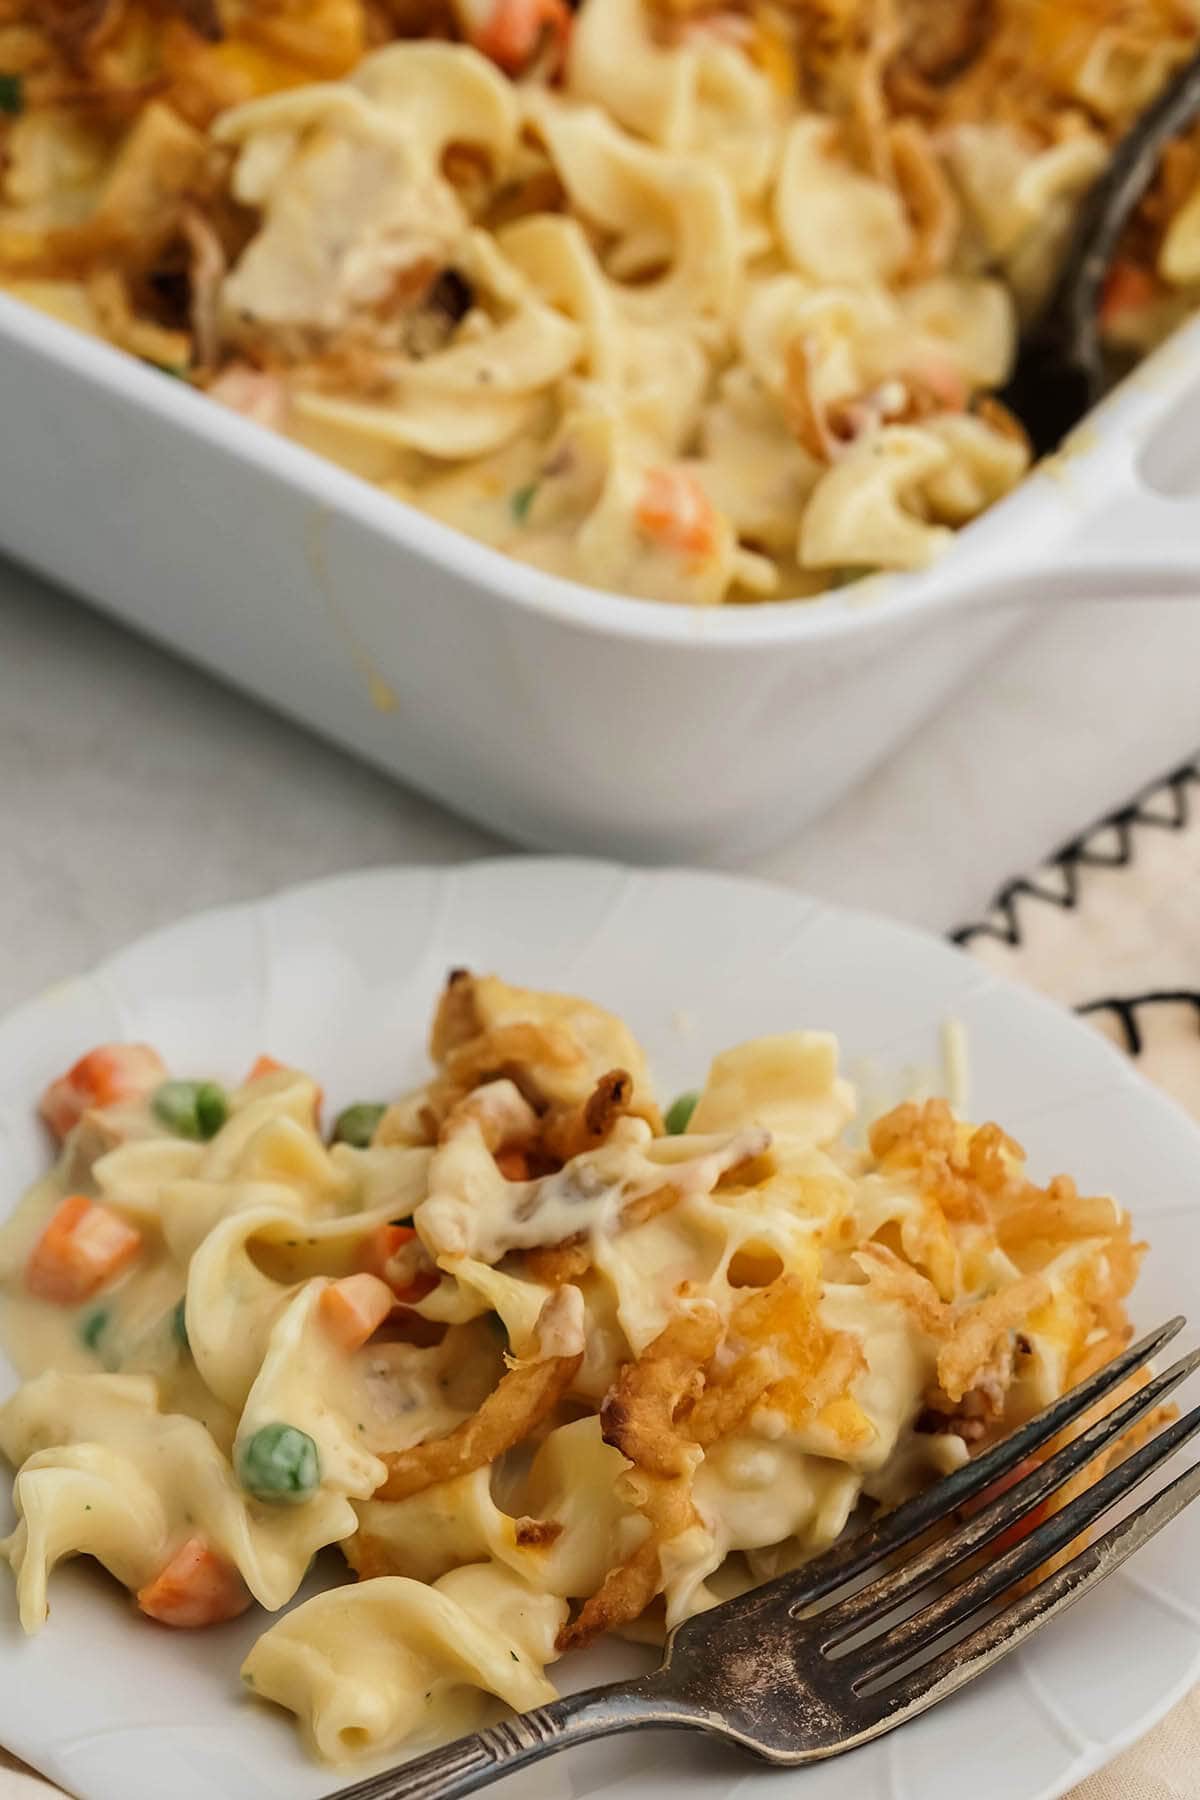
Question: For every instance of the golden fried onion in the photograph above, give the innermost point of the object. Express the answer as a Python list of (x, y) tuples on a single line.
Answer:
[(523, 1398)]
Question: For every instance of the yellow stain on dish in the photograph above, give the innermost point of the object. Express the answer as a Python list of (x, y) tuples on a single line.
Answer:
[(380, 693), (383, 697)]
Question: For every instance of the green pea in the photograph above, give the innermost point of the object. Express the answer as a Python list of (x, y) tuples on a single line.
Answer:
[(522, 500), (12, 95), (93, 1327), (179, 1323), (191, 1109), (358, 1123), (679, 1113), (280, 1464), (212, 1108)]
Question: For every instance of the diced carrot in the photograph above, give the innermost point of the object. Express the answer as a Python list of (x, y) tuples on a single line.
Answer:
[(376, 1258), (104, 1077), (353, 1309), (84, 1245), (676, 512), (196, 1587), (513, 1165), (941, 378), (381, 1245), (1127, 288), (514, 31), (270, 1065)]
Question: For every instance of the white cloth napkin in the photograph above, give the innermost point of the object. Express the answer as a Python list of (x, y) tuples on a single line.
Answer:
[(1111, 926)]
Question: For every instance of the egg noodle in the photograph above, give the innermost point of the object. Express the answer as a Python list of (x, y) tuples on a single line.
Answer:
[(696, 300), (540, 1365)]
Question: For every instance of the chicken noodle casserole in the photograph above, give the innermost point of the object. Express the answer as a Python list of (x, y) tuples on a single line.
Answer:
[(542, 1366), (698, 300)]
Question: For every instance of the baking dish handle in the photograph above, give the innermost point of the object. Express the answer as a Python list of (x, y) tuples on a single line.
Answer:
[(1114, 514), (1121, 499), (1134, 543)]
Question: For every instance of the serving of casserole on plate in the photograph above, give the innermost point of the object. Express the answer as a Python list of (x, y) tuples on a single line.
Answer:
[(543, 1362), (698, 300)]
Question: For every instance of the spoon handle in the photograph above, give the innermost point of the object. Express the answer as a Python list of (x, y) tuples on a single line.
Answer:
[(1106, 209), (1060, 372)]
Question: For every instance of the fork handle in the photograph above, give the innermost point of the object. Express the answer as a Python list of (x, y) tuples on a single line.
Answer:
[(475, 1761)]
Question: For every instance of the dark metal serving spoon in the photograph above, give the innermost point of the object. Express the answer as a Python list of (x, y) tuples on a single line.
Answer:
[(1059, 373)]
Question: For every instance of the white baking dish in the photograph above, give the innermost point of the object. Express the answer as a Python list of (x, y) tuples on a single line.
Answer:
[(556, 715)]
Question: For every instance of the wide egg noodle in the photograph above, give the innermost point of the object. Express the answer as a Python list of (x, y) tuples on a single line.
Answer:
[(54, 1417), (574, 1522), (368, 1666), (234, 1302), (867, 507), (642, 307), (776, 1325)]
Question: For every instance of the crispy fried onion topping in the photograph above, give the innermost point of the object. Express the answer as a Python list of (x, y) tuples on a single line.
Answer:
[(639, 1412), (975, 1335), (523, 1398), (639, 1418), (691, 1386)]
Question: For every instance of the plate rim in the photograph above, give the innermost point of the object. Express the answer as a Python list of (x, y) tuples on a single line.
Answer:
[(1090, 1757)]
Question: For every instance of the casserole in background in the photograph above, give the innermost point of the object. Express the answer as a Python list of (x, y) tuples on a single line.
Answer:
[(693, 300), (551, 713)]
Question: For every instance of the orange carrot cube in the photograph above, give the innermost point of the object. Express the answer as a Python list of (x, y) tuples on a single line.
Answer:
[(675, 511), (514, 31), (104, 1077), (84, 1245), (353, 1309), (196, 1587)]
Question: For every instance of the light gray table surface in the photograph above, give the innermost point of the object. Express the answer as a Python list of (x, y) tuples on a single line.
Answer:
[(135, 789)]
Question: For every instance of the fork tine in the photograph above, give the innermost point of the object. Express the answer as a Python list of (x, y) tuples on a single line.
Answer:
[(945, 1553), (979, 1590), (992, 1640), (859, 1553)]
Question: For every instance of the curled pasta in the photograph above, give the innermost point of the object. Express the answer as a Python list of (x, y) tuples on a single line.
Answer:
[(609, 286), (834, 223), (367, 1667), (865, 510), (540, 1366), (108, 1428)]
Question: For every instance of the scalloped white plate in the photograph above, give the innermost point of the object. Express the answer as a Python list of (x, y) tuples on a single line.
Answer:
[(340, 977)]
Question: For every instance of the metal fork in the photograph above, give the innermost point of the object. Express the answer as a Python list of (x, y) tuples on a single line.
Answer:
[(794, 1680)]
